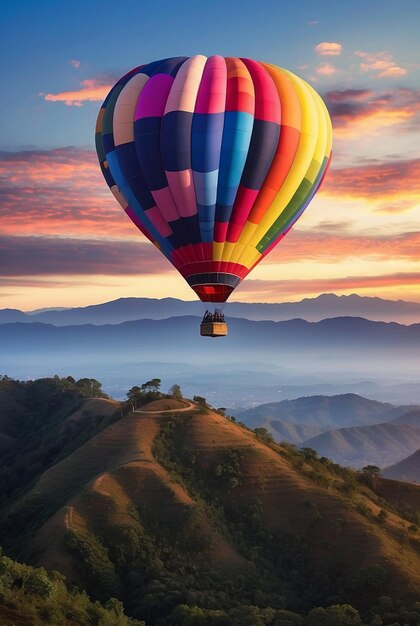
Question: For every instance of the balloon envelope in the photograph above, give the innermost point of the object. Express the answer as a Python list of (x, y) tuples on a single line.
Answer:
[(214, 159)]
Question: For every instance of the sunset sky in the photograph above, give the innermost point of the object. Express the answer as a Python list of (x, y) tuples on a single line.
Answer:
[(65, 241)]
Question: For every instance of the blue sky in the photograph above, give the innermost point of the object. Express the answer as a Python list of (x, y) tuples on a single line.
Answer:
[(39, 39), (64, 241)]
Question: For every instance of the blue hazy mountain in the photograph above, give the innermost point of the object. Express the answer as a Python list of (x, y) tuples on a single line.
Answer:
[(257, 362), (310, 309), (408, 469), (380, 444)]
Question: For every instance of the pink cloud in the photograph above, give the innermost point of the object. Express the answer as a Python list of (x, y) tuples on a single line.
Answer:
[(326, 245), (271, 288), (329, 48), (326, 69), (357, 111), (92, 90), (393, 180), (381, 62), (56, 192)]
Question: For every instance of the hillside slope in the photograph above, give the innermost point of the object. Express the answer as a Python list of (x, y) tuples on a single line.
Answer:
[(165, 508)]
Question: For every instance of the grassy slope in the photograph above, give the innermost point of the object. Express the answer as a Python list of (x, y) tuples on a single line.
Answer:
[(114, 489)]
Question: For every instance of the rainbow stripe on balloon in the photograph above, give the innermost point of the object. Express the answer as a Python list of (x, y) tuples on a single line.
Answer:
[(214, 159)]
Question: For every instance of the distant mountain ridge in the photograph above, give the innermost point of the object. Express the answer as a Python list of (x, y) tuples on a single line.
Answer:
[(379, 444), (332, 348), (309, 309), (408, 469), (371, 433), (324, 412)]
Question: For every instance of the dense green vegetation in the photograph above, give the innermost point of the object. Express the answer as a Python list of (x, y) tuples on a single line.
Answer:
[(156, 568), (31, 597), (33, 414)]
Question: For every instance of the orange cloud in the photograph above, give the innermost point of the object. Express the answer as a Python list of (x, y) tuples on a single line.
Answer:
[(357, 111), (322, 245), (92, 90), (392, 181), (329, 48), (270, 289), (382, 63), (52, 192), (326, 69)]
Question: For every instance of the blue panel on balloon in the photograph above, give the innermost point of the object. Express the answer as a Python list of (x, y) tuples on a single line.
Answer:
[(147, 141), (263, 146), (206, 138), (169, 66), (176, 140)]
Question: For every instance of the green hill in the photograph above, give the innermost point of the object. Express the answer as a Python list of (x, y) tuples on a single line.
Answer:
[(184, 515), (32, 597)]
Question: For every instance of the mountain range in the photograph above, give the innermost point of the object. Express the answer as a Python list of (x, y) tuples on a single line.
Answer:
[(177, 335), (380, 444), (310, 309), (323, 412), (349, 429), (254, 363)]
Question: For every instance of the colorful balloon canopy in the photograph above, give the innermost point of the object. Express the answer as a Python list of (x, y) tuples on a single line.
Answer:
[(214, 159)]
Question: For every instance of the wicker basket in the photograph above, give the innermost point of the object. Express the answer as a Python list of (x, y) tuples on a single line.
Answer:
[(213, 329)]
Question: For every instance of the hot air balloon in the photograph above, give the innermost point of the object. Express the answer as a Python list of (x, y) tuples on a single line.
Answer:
[(213, 159)]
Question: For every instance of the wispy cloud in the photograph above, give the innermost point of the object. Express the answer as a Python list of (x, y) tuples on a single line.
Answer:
[(356, 111), (397, 180), (58, 191), (270, 289), (51, 256), (326, 246), (326, 69), (329, 48), (381, 63), (91, 90), (75, 63)]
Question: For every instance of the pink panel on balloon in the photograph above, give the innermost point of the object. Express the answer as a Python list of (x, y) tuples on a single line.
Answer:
[(182, 187), (212, 92), (165, 201), (158, 222), (153, 96), (267, 102)]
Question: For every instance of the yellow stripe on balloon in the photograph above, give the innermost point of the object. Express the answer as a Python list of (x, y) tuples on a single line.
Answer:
[(301, 163)]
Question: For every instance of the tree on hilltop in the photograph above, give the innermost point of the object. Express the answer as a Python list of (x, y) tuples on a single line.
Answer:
[(175, 392), (152, 385)]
